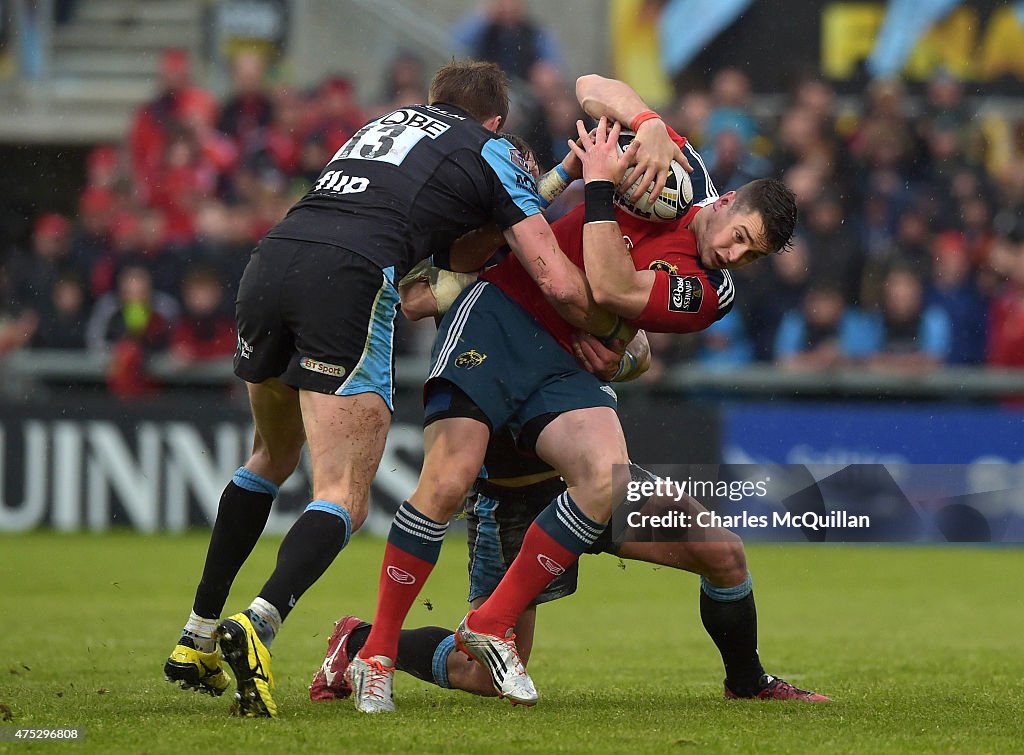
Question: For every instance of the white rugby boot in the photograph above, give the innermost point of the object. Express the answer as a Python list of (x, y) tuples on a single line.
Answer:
[(501, 658), (371, 680)]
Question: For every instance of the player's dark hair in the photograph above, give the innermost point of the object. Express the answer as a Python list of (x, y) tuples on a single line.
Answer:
[(519, 143), (479, 88), (777, 205)]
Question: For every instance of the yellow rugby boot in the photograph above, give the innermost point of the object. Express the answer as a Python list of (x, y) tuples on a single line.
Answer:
[(196, 670), (249, 659)]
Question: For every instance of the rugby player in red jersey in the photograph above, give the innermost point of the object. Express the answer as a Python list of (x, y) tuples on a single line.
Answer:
[(515, 369)]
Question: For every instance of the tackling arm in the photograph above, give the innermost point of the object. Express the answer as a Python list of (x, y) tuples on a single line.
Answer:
[(472, 250), (417, 300), (601, 97), (636, 360), (561, 282), (430, 291)]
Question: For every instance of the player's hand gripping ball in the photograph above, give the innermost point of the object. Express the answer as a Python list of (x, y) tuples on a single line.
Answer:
[(674, 201)]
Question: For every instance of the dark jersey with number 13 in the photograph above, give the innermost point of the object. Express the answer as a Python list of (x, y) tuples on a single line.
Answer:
[(411, 182)]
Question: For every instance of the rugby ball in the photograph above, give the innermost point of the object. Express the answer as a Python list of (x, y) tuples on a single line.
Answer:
[(674, 201)]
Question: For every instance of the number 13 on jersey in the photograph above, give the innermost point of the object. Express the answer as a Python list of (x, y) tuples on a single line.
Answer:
[(390, 138)]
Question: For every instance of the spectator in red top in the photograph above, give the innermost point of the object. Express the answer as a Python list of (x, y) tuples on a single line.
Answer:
[(186, 177), (340, 114), (103, 167), (206, 330), (199, 119), (1006, 317), (280, 144), (154, 122)]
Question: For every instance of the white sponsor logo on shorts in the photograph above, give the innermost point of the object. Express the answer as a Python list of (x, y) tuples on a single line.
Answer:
[(244, 349), (550, 564), (323, 368), (401, 576), (610, 391)]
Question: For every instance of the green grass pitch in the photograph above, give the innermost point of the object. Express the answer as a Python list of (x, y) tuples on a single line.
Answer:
[(919, 646)]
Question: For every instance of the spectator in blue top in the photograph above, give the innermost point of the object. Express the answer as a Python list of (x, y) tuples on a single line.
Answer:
[(725, 345), (503, 33), (732, 164), (911, 337), (730, 90), (824, 333), (954, 290), (768, 294)]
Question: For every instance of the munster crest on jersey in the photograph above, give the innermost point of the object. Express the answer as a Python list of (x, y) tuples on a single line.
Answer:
[(667, 267)]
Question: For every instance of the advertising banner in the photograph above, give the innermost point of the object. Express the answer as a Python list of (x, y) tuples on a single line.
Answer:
[(981, 42), (161, 465), (927, 472), (155, 466)]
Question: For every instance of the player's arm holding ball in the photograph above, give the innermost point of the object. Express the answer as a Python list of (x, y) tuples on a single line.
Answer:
[(534, 244), (616, 284), (616, 100)]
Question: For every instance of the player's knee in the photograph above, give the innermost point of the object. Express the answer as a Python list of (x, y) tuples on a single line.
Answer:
[(595, 499), (726, 565), (439, 495), (338, 496), (596, 493), (277, 465)]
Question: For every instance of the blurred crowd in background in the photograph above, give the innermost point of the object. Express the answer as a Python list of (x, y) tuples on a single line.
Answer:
[(909, 253)]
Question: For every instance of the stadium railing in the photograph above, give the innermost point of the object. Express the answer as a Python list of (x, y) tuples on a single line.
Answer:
[(22, 373)]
